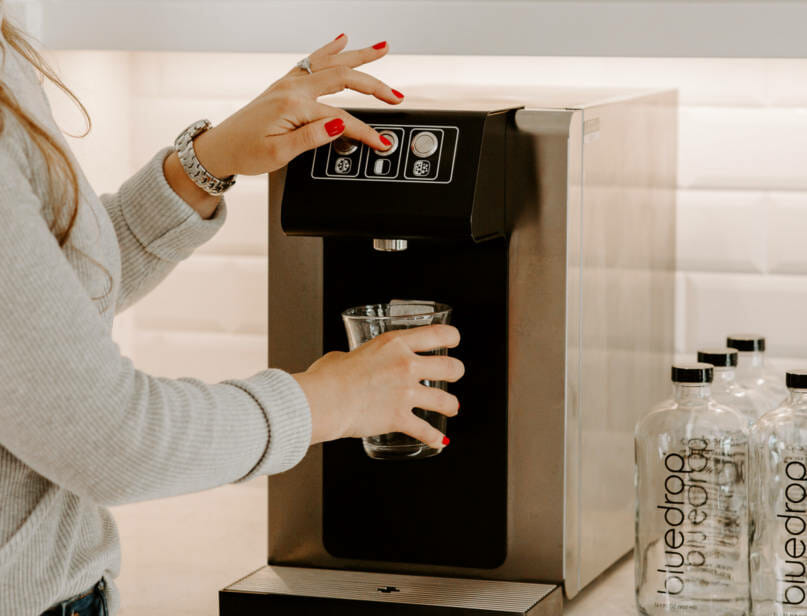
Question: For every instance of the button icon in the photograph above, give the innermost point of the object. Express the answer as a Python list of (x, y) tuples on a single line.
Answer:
[(343, 165), (421, 168), (382, 166)]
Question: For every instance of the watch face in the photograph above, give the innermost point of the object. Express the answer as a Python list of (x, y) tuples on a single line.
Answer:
[(198, 127)]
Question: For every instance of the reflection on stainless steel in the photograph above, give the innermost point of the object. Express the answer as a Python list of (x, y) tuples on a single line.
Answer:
[(390, 245), (591, 204)]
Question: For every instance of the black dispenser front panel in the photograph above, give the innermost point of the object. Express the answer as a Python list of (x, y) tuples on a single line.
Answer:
[(450, 509)]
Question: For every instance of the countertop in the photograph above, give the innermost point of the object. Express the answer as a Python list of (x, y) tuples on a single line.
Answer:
[(610, 595), (200, 543)]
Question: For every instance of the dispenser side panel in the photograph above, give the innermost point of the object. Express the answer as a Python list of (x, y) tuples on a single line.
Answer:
[(627, 310), (295, 341), (295, 291), (574, 366), (537, 161)]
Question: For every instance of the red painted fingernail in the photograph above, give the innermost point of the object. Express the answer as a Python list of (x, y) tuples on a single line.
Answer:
[(396, 93), (385, 141), (340, 36), (335, 127), (446, 441), (380, 45)]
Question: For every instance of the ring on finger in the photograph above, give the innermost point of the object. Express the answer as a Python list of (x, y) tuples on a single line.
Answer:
[(305, 64)]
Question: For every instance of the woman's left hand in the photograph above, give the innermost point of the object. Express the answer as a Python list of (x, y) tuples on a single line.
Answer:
[(286, 120)]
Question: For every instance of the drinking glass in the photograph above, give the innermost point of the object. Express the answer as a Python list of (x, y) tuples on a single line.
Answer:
[(366, 322)]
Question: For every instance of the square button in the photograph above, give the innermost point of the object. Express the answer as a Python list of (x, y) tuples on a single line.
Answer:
[(385, 164), (424, 153)]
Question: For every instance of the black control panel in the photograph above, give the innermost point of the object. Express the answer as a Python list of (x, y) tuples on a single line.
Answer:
[(441, 177), (416, 154)]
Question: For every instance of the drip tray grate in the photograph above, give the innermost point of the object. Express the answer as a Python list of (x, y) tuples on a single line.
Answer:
[(332, 592)]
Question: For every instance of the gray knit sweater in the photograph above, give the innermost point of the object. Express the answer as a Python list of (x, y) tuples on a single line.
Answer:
[(80, 428)]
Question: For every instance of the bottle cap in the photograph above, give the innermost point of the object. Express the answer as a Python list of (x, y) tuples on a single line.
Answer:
[(746, 342), (692, 373), (719, 358), (796, 379)]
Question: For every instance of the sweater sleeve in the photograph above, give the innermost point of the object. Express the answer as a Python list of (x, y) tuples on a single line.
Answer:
[(78, 413), (156, 229)]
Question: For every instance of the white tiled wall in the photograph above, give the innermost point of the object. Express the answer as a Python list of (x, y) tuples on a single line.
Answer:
[(742, 215)]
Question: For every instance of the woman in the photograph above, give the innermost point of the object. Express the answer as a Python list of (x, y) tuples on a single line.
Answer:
[(80, 428)]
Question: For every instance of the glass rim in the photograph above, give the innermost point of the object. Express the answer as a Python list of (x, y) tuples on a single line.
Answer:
[(438, 308)]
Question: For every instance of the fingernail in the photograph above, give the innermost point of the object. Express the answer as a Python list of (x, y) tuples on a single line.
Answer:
[(396, 93), (446, 441), (385, 141), (380, 45), (340, 36), (335, 127)]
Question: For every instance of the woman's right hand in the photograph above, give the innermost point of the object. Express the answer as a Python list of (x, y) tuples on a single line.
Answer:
[(373, 389), (287, 119)]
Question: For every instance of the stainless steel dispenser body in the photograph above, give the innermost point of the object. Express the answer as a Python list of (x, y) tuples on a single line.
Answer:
[(590, 195)]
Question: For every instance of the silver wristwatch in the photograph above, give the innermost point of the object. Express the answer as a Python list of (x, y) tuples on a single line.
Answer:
[(196, 172)]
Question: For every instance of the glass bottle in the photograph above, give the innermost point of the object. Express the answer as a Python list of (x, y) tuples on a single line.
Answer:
[(725, 387), (778, 505), (691, 505), (752, 373)]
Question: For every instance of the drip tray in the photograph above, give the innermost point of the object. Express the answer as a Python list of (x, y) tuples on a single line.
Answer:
[(332, 592)]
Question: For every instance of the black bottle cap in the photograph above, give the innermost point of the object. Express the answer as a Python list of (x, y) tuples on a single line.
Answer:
[(796, 379), (746, 342), (719, 358), (692, 373)]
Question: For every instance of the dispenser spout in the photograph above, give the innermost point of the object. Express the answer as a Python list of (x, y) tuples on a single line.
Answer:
[(390, 245)]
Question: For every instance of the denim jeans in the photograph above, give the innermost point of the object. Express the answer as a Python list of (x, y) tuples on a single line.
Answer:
[(92, 603)]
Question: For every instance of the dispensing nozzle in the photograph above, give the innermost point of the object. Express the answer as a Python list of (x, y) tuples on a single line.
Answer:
[(390, 245)]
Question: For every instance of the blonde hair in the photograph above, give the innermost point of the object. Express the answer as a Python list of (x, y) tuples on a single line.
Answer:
[(62, 177)]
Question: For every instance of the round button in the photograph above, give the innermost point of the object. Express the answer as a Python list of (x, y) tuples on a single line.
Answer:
[(345, 146), (424, 144), (393, 137)]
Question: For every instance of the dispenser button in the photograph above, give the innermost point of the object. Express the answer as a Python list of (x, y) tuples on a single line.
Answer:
[(424, 144), (382, 166), (345, 146), (393, 138)]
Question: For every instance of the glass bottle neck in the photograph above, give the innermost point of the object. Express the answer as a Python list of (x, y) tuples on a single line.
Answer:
[(691, 393), (725, 377), (750, 363), (797, 398)]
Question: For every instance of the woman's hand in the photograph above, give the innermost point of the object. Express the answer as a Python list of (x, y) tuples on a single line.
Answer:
[(286, 120), (373, 389)]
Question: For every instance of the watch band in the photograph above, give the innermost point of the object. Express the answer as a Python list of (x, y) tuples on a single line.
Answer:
[(195, 170)]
